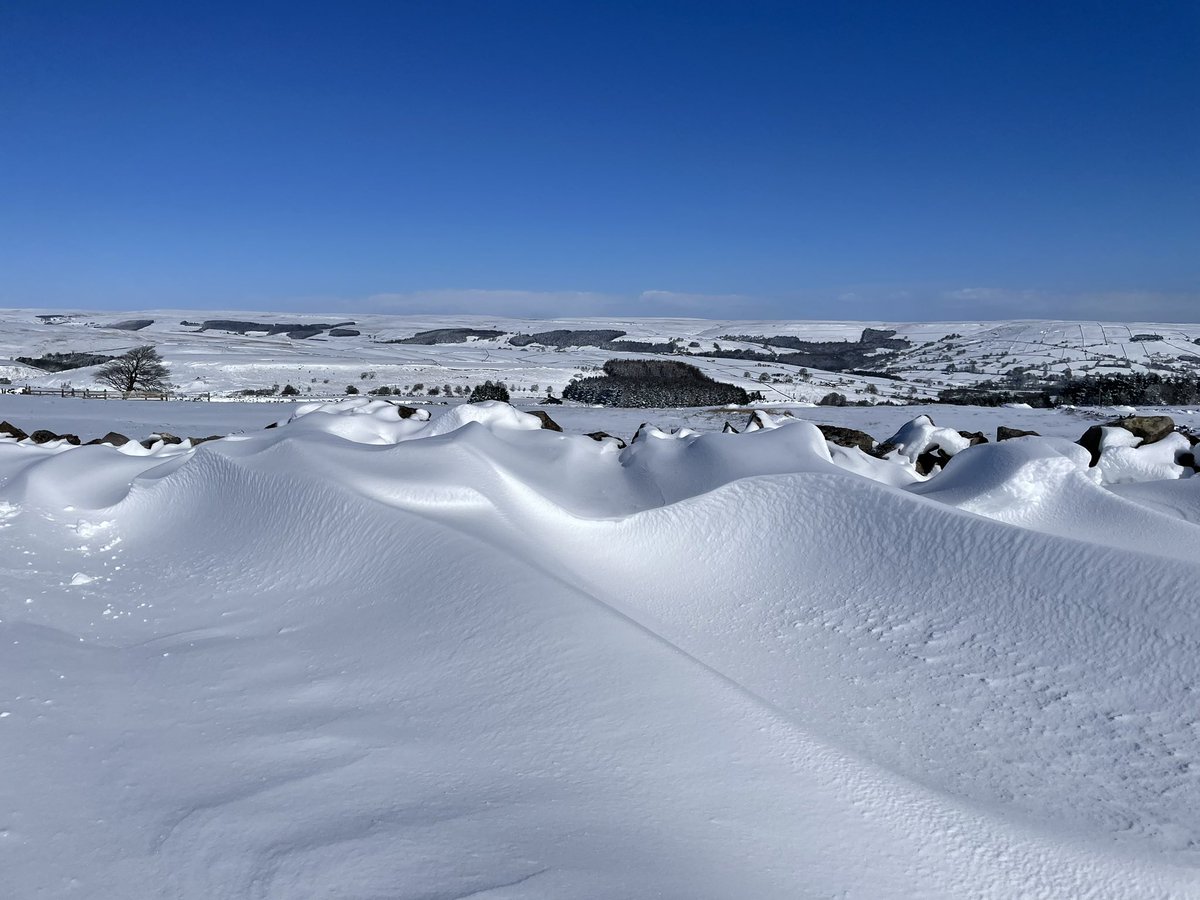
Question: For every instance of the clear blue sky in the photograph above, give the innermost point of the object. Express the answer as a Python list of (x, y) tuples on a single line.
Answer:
[(854, 160)]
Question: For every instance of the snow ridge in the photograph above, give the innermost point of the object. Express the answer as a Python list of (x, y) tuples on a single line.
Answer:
[(364, 655)]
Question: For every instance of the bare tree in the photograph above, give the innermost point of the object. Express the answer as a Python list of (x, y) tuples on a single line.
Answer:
[(140, 369)]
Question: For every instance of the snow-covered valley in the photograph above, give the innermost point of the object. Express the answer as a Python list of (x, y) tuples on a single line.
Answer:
[(320, 356), (460, 654)]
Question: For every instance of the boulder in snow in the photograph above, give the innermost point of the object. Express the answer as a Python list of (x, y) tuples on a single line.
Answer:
[(760, 419), (1149, 429), (848, 437), (164, 437), (926, 462), (7, 428), (921, 437), (547, 423), (1004, 433), (115, 438), (605, 436), (42, 436)]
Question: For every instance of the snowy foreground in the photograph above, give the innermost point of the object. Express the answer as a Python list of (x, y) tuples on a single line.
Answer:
[(361, 656)]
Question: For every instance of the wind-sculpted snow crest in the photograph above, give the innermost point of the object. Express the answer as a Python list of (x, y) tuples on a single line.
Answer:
[(369, 652)]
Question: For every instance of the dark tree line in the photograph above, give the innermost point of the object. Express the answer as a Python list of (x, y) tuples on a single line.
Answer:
[(832, 356), (566, 337), (446, 336), (296, 330), (653, 383), (489, 390), (871, 339), (1132, 389), (62, 362), (988, 393)]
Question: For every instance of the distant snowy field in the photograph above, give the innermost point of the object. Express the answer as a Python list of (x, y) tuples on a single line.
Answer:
[(457, 654), (321, 361)]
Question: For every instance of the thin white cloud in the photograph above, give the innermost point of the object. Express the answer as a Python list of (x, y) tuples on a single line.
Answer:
[(556, 304), (847, 302), (1004, 303), (706, 306), (533, 304)]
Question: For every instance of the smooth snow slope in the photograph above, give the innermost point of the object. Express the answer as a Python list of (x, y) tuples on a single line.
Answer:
[(360, 656)]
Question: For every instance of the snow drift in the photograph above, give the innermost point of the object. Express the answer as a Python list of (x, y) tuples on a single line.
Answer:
[(361, 655)]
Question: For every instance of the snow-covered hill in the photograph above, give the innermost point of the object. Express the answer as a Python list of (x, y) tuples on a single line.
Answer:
[(354, 350), (360, 655)]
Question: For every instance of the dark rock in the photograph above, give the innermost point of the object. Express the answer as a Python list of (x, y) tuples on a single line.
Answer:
[(1090, 441), (1149, 428), (272, 425), (165, 438), (42, 436), (757, 421), (550, 401), (605, 436), (1004, 433), (204, 440), (975, 437), (113, 437), (1187, 459), (848, 437), (344, 332), (637, 434), (926, 461), (547, 423), (12, 431), (729, 429), (406, 412)]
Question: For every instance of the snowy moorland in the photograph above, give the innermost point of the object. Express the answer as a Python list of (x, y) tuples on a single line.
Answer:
[(376, 652), (219, 353)]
